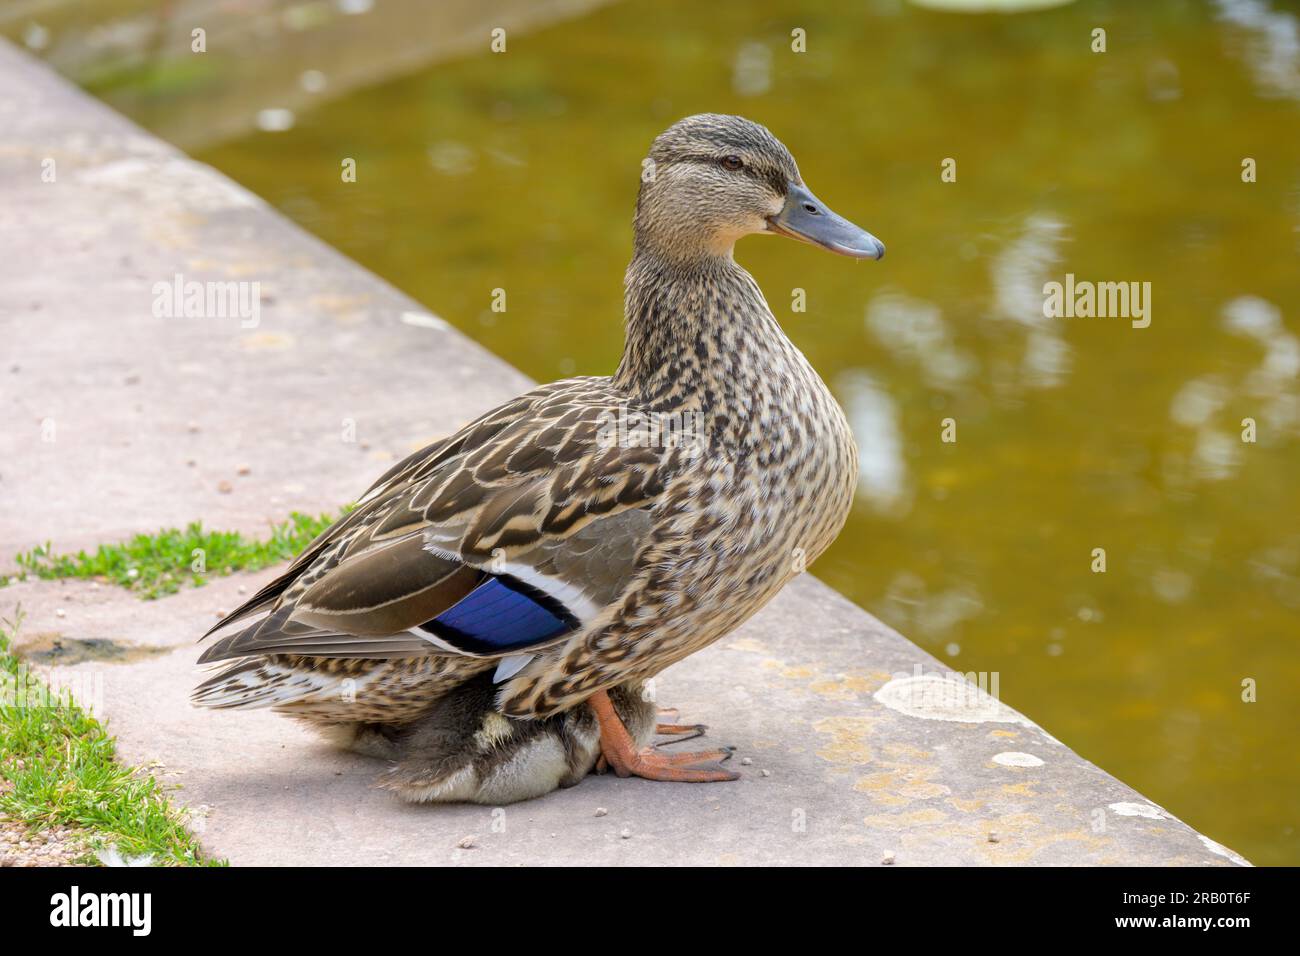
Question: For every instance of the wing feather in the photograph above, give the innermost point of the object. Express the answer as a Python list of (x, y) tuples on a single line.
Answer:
[(504, 537)]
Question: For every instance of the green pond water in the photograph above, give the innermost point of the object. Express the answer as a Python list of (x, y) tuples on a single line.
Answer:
[(519, 171)]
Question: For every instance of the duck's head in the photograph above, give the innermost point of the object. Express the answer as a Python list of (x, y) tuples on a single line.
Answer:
[(713, 178)]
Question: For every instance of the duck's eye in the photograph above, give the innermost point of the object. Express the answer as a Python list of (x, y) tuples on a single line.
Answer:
[(732, 163)]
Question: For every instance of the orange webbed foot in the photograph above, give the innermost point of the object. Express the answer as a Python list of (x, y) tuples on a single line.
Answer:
[(618, 751), (651, 763)]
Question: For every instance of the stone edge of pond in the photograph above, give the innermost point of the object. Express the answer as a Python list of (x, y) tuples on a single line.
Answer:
[(844, 724)]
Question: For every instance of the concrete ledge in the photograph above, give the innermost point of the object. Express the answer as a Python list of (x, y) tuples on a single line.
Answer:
[(860, 750)]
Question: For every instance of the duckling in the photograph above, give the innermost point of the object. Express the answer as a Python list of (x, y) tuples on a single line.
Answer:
[(463, 749), (474, 617)]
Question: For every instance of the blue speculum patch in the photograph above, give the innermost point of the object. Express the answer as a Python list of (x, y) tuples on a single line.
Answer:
[(500, 615)]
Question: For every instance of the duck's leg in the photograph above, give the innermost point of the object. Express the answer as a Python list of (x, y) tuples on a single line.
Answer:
[(621, 753)]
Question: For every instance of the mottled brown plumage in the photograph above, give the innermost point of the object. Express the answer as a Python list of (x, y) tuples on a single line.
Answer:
[(647, 514)]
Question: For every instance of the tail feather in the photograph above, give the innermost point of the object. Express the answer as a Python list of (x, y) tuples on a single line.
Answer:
[(263, 682), (337, 689)]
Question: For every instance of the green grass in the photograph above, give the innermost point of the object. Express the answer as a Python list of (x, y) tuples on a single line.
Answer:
[(156, 564), (60, 762), (58, 759)]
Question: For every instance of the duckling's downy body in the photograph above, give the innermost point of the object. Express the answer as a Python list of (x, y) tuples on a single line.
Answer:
[(488, 613), (462, 749)]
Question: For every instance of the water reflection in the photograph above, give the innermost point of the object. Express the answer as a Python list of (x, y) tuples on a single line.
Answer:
[(1163, 82), (1018, 273), (1216, 453), (873, 416), (1272, 48), (1273, 381), (751, 73), (935, 616), (452, 158), (259, 63), (915, 332)]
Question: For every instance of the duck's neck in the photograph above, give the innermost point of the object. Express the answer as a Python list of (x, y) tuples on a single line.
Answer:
[(699, 333)]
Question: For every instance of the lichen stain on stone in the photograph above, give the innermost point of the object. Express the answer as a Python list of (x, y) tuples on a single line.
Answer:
[(931, 697), (965, 805), (923, 789), (887, 799), (1016, 759), (850, 686), (906, 777), (267, 342), (901, 786), (1007, 734), (876, 781), (1019, 790), (1019, 821), (855, 839), (331, 302), (242, 269), (845, 686), (902, 751), (903, 821), (798, 672), (1147, 810), (345, 309), (1021, 836), (1009, 851), (848, 746)]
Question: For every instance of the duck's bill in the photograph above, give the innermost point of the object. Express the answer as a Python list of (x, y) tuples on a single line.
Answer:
[(807, 218)]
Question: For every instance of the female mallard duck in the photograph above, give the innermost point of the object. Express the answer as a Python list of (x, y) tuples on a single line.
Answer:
[(488, 612)]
